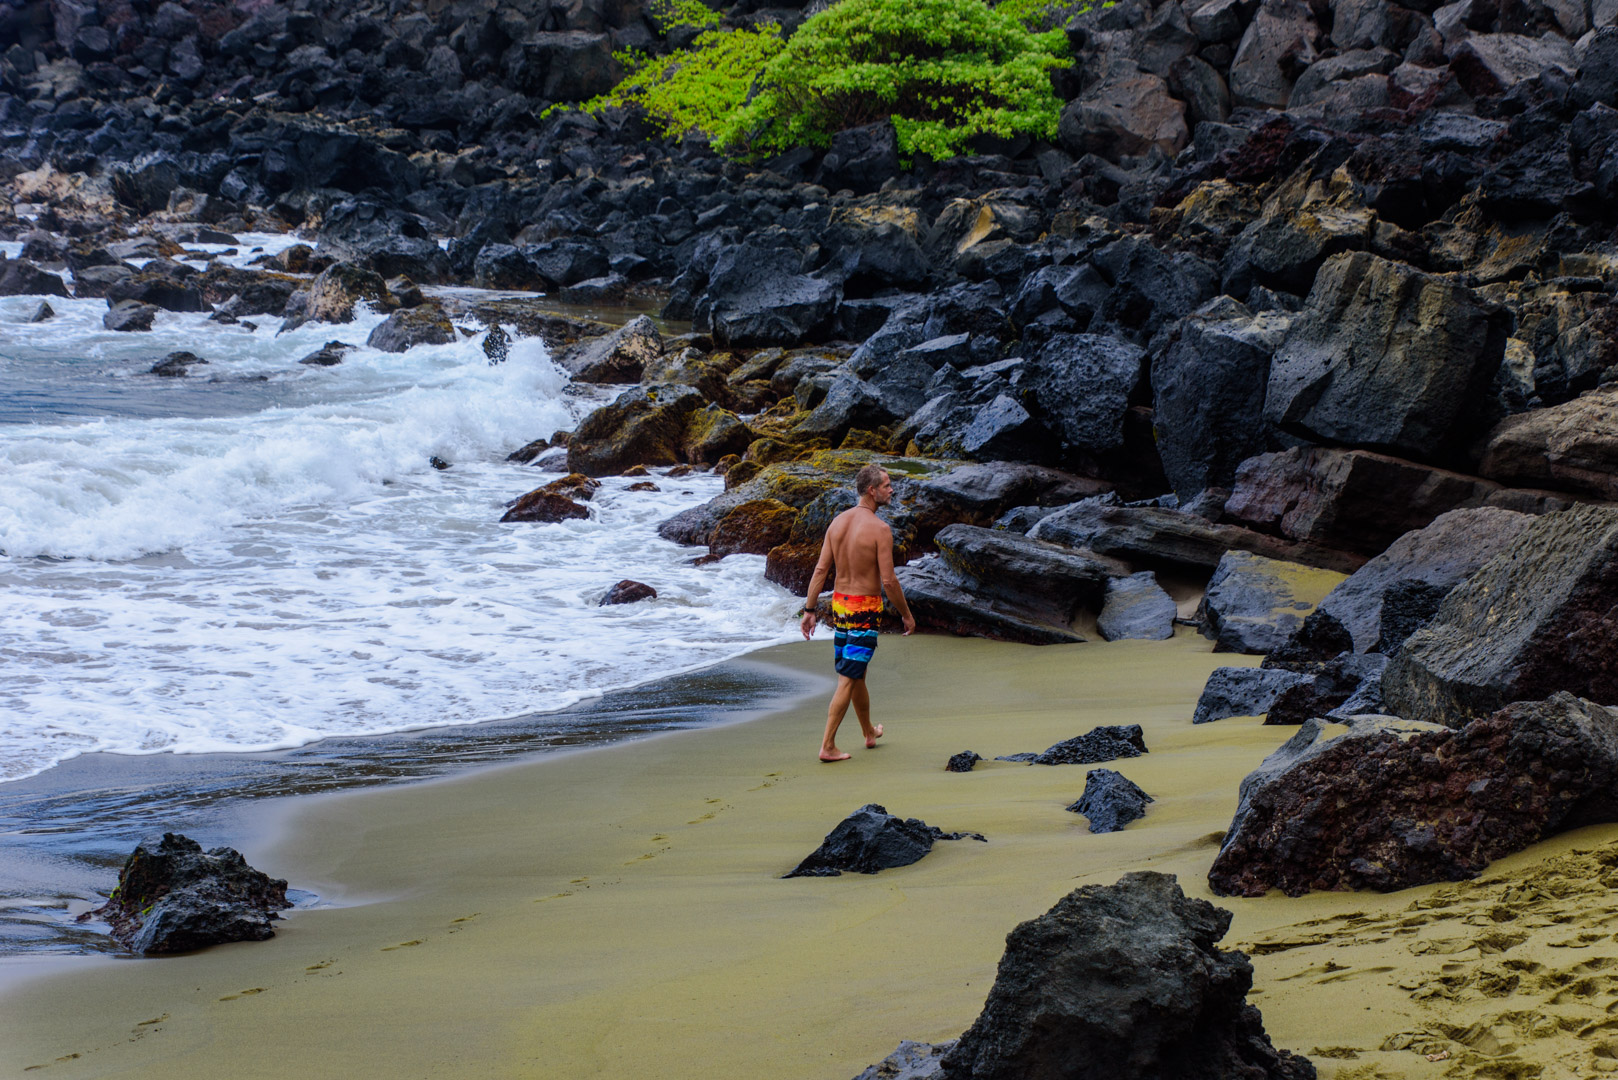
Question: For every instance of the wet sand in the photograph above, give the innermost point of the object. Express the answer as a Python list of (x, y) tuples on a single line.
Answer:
[(619, 912)]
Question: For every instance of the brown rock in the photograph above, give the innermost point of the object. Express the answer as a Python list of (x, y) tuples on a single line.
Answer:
[(628, 592), (1389, 805), (1125, 114), (1358, 500), (542, 505), (1573, 446)]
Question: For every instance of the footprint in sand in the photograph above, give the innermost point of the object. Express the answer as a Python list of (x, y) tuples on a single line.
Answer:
[(403, 945), (244, 993), (552, 896), (320, 966), (770, 780)]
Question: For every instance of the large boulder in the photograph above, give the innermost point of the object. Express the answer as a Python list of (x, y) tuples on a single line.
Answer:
[(1123, 981), (335, 292), (1254, 604), (1080, 385), (1348, 685), (759, 296), (1487, 65), (1357, 500), (19, 277), (1390, 804), (1420, 567), (618, 357), (1541, 616), (871, 840), (561, 65), (1125, 113), (1240, 691), (1388, 358), (1572, 446), (1108, 742), (1039, 582), (1172, 538), (1208, 395), (171, 898), (1278, 43), (642, 426), (408, 327)]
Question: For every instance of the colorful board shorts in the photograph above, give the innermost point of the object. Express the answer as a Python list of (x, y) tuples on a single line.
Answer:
[(854, 622)]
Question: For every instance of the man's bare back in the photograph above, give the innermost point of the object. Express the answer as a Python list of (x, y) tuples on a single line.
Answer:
[(860, 545)]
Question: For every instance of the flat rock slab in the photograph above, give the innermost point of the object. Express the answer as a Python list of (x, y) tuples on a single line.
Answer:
[(1126, 982), (1110, 801), (1137, 609), (171, 897), (870, 840), (1541, 616), (1392, 803), (1237, 691), (1109, 742), (1254, 604)]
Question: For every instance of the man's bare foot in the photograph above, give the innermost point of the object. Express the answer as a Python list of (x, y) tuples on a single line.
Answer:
[(870, 740), (834, 755)]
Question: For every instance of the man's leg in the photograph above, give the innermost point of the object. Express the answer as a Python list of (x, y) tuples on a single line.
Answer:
[(862, 710), (834, 717)]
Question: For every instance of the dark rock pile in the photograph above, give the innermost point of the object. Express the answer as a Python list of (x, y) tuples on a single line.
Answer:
[(1105, 743), (870, 840), (171, 897)]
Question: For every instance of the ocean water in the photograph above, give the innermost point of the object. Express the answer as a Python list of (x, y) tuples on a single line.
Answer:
[(259, 555)]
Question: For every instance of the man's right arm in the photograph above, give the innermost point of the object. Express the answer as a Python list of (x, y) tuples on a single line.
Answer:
[(816, 583)]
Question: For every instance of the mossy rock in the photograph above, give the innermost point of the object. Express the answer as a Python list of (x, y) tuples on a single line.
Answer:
[(753, 528), (646, 425), (792, 565), (768, 451), (741, 472), (860, 439), (713, 432)]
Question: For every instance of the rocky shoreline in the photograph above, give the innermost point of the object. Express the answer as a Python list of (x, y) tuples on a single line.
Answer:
[(1310, 305)]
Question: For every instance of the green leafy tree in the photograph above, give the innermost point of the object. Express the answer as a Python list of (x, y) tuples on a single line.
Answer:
[(668, 14), (695, 89), (941, 70)]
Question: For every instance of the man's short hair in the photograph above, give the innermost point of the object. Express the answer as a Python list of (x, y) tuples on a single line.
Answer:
[(868, 478)]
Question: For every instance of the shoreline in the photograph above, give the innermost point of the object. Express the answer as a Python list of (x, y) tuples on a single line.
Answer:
[(599, 914), (65, 832)]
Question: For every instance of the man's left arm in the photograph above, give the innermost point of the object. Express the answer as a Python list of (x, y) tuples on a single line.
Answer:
[(890, 580)]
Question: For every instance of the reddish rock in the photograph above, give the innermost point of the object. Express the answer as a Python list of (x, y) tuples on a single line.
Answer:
[(574, 486), (1383, 808), (1359, 501), (542, 505), (1573, 446), (628, 592)]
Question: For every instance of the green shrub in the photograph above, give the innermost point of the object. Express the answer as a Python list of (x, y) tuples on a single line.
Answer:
[(940, 70), (668, 14), (694, 89)]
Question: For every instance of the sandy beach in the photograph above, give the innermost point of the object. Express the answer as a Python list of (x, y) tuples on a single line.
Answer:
[(619, 912)]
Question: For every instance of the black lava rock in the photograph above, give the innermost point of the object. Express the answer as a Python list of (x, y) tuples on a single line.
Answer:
[(176, 363), (1123, 981), (962, 762), (173, 898), (871, 839), (1108, 742), (1110, 801)]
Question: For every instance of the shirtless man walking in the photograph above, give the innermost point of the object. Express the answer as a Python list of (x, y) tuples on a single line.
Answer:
[(860, 544)]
